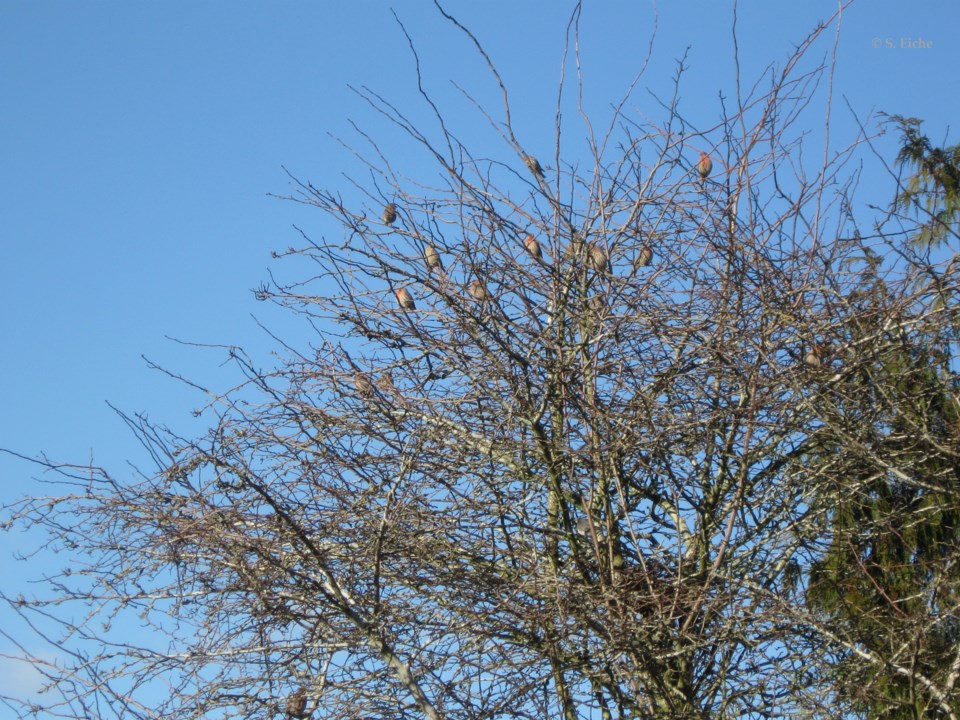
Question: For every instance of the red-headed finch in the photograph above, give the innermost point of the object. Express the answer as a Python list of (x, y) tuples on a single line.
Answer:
[(479, 291), (531, 245), (814, 356), (405, 299), (704, 166)]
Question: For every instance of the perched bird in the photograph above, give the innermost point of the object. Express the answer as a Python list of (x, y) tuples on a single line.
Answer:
[(598, 258), (704, 166), (814, 356), (479, 291), (576, 245), (390, 214), (533, 164), (363, 384), (297, 705), (531, 245), (385, 383), (432, 258), (644, 257), (405, 299)]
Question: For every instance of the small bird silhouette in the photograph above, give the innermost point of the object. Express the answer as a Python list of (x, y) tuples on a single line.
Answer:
[(533, 164), (432, 258), (390, 214), (645, 256), (533, 247), (405, 299), (704, 166)]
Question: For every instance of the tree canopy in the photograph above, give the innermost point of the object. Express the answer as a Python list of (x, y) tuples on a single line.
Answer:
[(667, 434)]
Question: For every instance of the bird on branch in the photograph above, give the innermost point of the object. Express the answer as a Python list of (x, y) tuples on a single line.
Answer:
[(478, 290), (645, 256), (432, 258), (534, 165), (297, 705), (405, 299), (390, 214), (531, 245), (704, 167), (363, 384), (598, 258)]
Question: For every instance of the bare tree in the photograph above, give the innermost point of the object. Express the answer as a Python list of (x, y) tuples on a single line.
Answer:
[(571, 450)]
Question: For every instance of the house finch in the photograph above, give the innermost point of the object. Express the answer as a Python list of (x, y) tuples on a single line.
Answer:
[(385, 383), (645, 256), (405, 299), (363, 384), (390, 214), (297, 704), (534, 165), (704, 166), (597, 258), (575, 246), (533, 247), (479, 291), (814, 356), (432, 258)]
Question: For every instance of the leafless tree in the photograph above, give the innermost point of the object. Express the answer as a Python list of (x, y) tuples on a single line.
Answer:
[(566, 442)]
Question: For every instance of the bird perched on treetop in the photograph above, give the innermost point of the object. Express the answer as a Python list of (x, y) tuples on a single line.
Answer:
[(363, 384), (575, 247), (645, 256), (479, 291), (704, 166), (405, 299), (297, 704), (533, 164), (385, 383), (814, 356), (390, 214), (432, 258), (533, 247), (597, 258)]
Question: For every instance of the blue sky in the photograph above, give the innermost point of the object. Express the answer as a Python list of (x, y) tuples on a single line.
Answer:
[(139, 143)]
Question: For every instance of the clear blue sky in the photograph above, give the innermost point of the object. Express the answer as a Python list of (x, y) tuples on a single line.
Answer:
[(139, 142)]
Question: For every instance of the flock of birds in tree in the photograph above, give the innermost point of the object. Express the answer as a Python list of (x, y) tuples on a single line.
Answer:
[(597, 257)]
